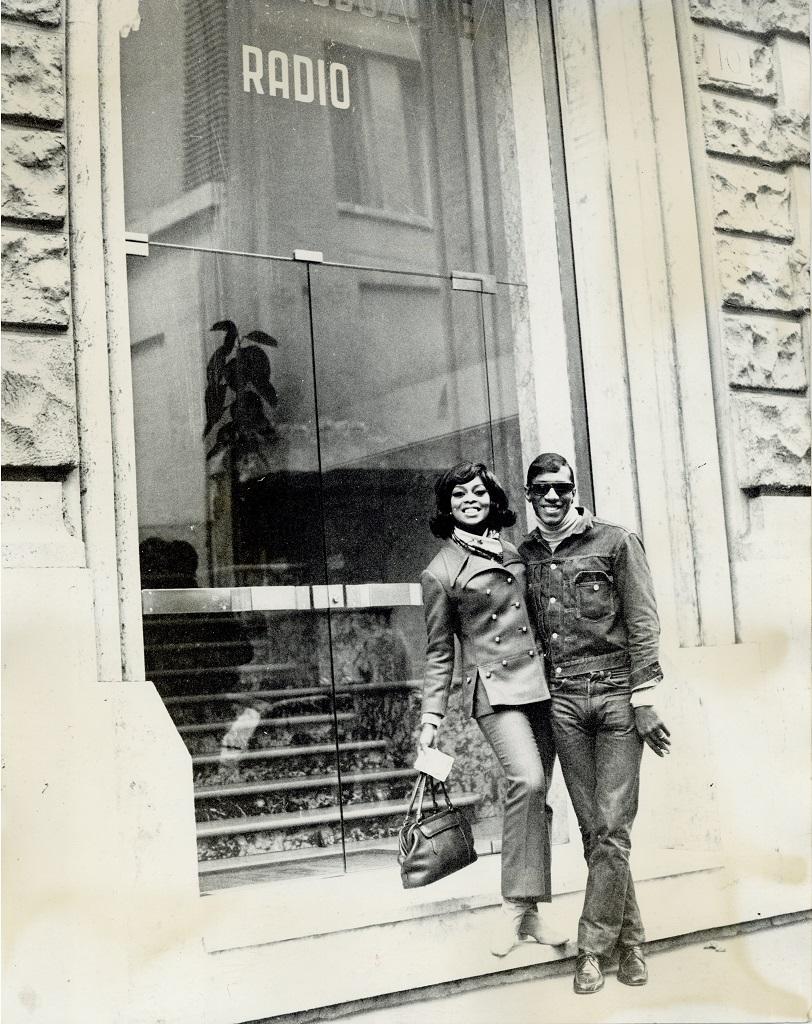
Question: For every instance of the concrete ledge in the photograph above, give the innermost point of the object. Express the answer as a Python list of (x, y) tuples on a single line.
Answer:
[(280, 912), (541, 972), (324, 970)]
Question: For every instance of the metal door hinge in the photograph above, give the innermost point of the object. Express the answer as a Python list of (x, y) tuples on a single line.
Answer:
[(136, 244), (308, 255), (464, 281)]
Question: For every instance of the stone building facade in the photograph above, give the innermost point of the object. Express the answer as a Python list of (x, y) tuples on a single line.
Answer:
[(684, 130)]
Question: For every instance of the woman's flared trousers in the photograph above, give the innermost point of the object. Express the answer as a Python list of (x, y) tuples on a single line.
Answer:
[(522, 739)]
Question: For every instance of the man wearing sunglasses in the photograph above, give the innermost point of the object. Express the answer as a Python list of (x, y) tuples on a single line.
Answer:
[(590, 586)]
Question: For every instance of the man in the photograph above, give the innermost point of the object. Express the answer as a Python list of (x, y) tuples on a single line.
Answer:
[(591, 588)]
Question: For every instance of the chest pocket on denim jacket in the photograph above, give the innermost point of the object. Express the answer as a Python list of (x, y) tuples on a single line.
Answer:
[(594, 595)]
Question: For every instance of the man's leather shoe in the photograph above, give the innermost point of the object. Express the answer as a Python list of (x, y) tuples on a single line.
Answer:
[(588, 974), (631, 966)]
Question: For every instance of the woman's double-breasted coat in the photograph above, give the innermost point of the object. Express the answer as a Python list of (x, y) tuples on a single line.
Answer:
[(482, 602)]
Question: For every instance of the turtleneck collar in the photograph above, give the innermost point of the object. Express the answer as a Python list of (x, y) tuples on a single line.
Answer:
[(568, 524)]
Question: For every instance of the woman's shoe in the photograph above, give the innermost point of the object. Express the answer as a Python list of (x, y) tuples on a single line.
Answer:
[(533, 926), (506, 933)]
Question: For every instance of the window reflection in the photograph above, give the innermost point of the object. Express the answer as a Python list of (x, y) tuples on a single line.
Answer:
[(290, 420), (367, 130)]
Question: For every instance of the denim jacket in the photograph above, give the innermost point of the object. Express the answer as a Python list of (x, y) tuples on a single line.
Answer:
[(594, 601)]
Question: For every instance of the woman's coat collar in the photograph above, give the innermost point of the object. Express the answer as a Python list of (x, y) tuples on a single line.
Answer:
[(462, 565)]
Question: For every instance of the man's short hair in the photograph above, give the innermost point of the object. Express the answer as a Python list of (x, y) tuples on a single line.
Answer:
[(548, 462)]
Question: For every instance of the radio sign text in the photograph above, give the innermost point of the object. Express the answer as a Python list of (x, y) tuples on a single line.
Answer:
[(295, 77)]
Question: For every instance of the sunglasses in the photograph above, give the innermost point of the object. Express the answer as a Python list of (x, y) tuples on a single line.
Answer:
[(561, 488)]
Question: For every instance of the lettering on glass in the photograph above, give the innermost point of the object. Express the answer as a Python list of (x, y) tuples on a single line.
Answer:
[(295, 77), (388, 10)]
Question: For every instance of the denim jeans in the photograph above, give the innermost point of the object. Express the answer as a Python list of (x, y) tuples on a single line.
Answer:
[(600, 753), (522, 739)]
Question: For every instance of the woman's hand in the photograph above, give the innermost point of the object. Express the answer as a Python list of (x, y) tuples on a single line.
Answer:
[(427, 737)]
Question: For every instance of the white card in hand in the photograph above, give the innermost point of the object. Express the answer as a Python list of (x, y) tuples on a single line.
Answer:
[(434, 763)]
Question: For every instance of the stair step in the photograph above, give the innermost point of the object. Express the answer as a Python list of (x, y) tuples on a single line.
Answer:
[(266, 723), (215, 670), (316, 816), (248, 863), (293, 692), (304, 782), (275, 753), (193, 646)]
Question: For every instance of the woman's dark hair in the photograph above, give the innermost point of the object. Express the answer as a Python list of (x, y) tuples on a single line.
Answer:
[(442, 522)]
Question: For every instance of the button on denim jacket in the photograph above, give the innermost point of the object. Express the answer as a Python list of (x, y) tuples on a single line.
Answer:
[(594, 601)]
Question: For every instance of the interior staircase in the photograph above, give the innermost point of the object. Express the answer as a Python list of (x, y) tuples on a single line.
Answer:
[(273, 747)]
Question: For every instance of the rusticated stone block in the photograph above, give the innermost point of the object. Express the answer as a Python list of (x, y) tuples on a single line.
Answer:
[(764, 352), (33, 179), (736, 127), (751, 199), (791, 58), (32, 73), (41, 12), (735, 63), (758, 274), (772, 440), (759, 16), (39, 401), (36, 278)]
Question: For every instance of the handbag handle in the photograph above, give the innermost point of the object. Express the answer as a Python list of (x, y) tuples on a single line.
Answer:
[(436, 784), (417, 796), (417, 799)]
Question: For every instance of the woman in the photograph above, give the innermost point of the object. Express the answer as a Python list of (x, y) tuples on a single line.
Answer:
[(474, 589)]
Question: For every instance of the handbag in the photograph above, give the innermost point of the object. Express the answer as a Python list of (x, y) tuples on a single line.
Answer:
[(434, 844)]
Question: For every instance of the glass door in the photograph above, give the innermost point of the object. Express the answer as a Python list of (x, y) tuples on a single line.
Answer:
[(328, 192), (233, 556), (402, 394)]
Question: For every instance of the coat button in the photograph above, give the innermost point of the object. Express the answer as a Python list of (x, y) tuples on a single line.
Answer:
[(555, 636), (493, 616), (530, 654), (487, 675), (517, 604), (504, 662), (558, 671), (468, 679), (497, 639), (524, 629), (552, 600), (553, 565), (488, 591), (510, 579), (596, 586)]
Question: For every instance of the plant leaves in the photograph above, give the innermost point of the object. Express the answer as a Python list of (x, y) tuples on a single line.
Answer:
[(231, 332), (249, 411), (215, 404), (261, 338), (214, 369), (256, 368), (225, 437)]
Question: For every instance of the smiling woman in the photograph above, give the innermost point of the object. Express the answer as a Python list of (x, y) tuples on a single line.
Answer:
[(474, 591), (471, 503)]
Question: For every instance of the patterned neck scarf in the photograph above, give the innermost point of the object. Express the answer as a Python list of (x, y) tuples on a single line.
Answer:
[(488, 545)]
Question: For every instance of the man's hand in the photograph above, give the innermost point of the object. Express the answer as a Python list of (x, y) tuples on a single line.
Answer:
[(428, 736), (653, 730)]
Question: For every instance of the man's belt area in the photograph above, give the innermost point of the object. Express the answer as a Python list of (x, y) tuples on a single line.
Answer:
[(585, 666)]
